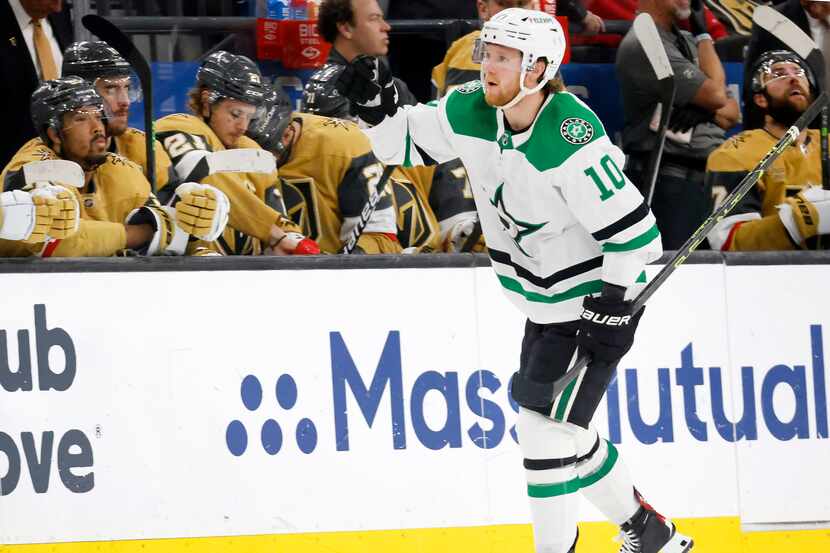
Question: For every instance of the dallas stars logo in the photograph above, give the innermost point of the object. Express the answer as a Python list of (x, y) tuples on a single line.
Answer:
[(515, 228), (576, 130)]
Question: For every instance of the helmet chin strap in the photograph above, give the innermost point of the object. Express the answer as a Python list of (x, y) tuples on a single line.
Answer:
[(522, 92)]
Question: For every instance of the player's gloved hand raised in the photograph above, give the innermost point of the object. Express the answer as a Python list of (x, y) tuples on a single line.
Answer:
[(67, 215), (368, 84), (697, 19), (201, 210), (606, 329)]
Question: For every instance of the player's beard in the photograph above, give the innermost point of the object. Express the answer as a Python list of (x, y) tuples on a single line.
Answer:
[(784, 111), (116, 125), (95, 155), (499, 96)]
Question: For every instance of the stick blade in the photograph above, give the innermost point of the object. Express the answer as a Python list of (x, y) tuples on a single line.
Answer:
[(646, 32), (60, 171), (241, 160), (781, 27)]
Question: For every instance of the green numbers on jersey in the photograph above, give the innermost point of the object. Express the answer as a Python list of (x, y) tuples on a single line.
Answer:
[(611, 174)]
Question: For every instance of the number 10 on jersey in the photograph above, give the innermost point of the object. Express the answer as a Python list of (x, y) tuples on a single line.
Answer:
[(612, 174)]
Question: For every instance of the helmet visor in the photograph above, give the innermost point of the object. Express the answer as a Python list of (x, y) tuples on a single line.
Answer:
[(85, 115), (782, 70), (119, 88), (497, 57)]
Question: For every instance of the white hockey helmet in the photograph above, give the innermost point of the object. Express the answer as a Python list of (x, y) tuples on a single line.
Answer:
[(535, 34)]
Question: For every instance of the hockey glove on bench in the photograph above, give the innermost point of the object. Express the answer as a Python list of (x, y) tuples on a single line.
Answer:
[(368, 84), (606, 329)]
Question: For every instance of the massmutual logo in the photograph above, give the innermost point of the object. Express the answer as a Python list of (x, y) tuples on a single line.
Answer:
[(375, 406), (576, 130), (270, 431)]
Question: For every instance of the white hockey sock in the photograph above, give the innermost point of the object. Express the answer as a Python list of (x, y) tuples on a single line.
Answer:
[(549, 453), (604, 478)]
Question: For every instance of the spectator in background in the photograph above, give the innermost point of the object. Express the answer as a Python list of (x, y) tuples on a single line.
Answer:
[(458, 66), (413, 57), (353, 27), (701, 113), (34, 33), (784, 210), (812, 17), (626, 10)]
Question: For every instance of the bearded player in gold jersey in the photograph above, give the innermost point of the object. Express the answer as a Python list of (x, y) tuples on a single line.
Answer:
[(787, 208), (112, 76)]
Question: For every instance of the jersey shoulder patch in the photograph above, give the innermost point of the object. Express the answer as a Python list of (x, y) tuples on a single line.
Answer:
[(563, 127), (469, 114)]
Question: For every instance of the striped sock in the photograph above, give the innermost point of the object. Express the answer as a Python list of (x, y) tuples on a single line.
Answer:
[(549, 453), (604, 478)]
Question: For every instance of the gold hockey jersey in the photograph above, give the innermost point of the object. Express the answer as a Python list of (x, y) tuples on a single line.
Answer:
[(250, 219), (133, 145), (457, 66), (327, 181), (754, 223), (117, 187), (417, 225)]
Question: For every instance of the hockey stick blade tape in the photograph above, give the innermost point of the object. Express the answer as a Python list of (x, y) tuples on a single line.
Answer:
[(59, 171), (646, 32)]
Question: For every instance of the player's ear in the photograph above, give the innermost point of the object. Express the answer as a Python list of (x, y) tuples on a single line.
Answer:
[(205, 95), (760, 100), (54, 138)]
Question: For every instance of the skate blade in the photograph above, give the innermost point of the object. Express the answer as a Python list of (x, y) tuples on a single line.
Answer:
[(678, 544)]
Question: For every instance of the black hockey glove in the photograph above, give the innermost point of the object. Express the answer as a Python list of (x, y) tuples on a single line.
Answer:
[(687, 117), (697, 20), (368, 84), (606, 329)]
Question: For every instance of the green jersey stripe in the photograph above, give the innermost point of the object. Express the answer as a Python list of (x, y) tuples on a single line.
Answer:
[(590, 287), (635, 243)]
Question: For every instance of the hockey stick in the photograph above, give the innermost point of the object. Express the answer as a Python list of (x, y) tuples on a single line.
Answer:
[(113, 36), (61, 171), (472, 239), (646, 32), (368, 210), (241, 160), (544, 393), (781, 27)]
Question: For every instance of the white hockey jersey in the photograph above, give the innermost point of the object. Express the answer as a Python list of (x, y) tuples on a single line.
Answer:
[(557, 212)]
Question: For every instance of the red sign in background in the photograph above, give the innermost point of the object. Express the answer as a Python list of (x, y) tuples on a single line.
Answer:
[(295, 43)]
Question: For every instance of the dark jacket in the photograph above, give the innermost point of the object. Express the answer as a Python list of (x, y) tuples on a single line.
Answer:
[(760, 42), (18, 73)]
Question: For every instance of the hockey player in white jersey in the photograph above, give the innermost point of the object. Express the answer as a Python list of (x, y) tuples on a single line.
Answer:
[(569, 236)]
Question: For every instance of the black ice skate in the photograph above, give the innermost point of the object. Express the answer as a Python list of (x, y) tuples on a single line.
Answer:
[(650, 532)]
